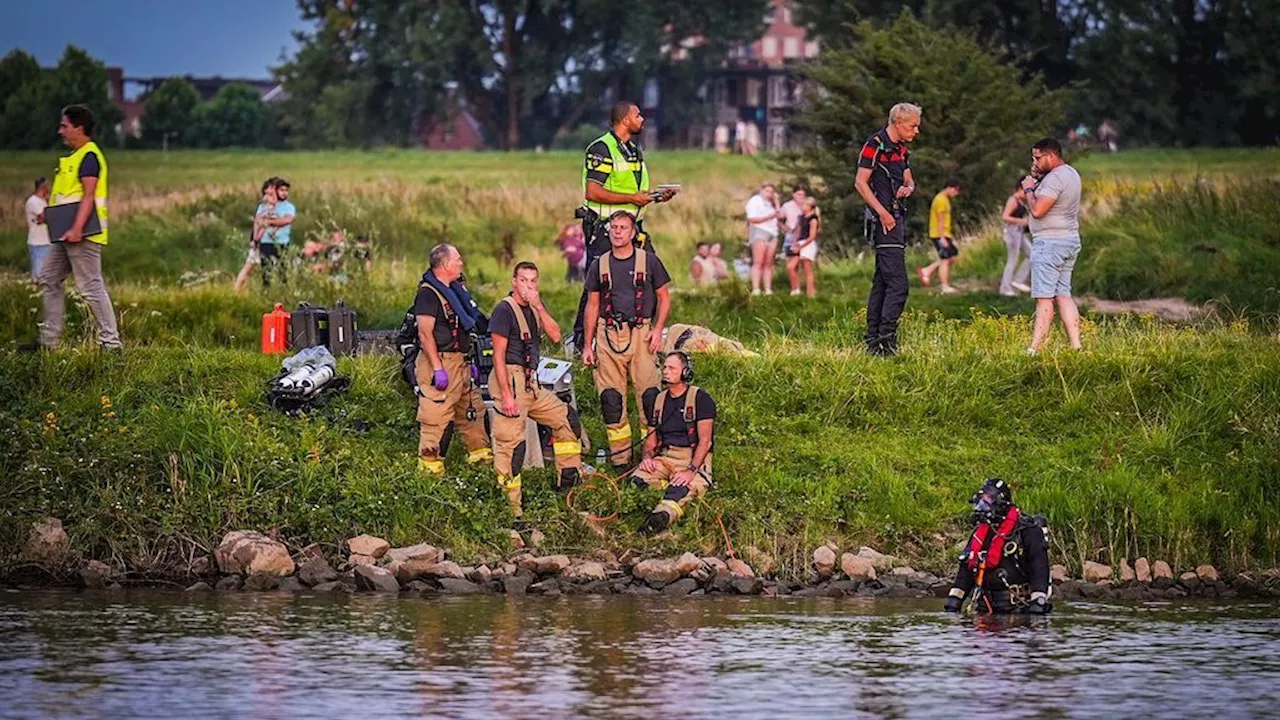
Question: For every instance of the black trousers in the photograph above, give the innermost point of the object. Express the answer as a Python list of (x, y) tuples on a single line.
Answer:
[(272, 262), (889, 286)]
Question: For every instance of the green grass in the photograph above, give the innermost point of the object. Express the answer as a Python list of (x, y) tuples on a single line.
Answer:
[(1160, 440)]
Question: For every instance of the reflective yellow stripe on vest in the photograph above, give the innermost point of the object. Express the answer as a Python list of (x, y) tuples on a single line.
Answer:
[(622, 179), (67, 187)]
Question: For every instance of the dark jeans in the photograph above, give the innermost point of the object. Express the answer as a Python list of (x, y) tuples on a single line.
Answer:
[(888, 287), (272, 262)]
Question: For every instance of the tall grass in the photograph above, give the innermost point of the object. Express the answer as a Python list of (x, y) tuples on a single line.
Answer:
[(1160, 440)]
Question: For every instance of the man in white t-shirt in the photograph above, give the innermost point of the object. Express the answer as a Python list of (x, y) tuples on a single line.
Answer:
[(762, 237), (37, 231)]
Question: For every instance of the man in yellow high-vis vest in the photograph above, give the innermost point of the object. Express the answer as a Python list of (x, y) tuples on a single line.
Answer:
[(82, 179), (614, 177)]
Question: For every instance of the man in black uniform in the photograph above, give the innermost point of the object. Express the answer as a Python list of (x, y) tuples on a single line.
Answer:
[(884, 181), (677, 454), (1006, 563)]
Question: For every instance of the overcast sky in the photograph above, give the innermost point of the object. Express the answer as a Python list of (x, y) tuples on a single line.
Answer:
[(149, 38)]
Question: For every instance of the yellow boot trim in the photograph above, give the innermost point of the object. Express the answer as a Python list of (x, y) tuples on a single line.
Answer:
[(568, 448), (433, 467), (622, 434), (508, 483), (481, 455), (673, 509)]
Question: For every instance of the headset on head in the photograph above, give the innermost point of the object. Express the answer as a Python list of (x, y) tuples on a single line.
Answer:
[(686, 372)]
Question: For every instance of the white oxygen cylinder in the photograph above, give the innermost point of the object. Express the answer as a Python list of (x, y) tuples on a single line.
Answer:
[(293, 379), (322, 375)]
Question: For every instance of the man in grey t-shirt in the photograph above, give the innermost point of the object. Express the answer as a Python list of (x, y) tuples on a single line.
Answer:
[(1053, 214)]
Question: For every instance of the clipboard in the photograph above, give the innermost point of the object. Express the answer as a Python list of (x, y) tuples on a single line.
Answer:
[(60, 219)]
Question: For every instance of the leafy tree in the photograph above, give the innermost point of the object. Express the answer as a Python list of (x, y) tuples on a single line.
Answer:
[(980, 118), (169, 111), (23, 87), (526, 70), (33, 98), (235, 117)]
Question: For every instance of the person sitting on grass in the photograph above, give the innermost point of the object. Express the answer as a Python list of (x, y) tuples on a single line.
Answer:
[(719, 268), (943, 239), (677, 454), (266, 211)]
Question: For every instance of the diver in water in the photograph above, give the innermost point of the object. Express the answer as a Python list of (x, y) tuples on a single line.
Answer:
[(1005, 565)]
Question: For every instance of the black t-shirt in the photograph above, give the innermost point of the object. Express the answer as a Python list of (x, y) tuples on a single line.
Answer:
[(428, 303), (503, 322), (89, 165), (599, 160), (672, 429), (888, 161), (622, 280)]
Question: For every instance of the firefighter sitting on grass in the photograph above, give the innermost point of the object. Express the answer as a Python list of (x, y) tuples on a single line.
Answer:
[(677, 453)]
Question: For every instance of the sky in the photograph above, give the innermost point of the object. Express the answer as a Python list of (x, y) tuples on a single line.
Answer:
[(150, 38)]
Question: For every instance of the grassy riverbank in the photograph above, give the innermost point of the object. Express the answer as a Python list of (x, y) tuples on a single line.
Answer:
[(1159, 440)]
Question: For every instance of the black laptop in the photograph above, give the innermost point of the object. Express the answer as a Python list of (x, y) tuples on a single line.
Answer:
[(60, 219)]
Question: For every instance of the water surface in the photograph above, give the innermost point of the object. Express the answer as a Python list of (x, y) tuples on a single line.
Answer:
[(155, 654)]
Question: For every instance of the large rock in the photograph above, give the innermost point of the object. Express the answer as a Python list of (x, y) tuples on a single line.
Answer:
[(1160, 570), (1058, 573), (878, 559), (454, 586), (261, 582), (687, 564), (47, 543), (1127, 574), (824, 561), (96, 574), (858, 567), (421, 568), (245, 552), (714, 564), (412, 552), (737, 568), (681, 587), (374, 547), (1095, 572), (356, 560), (656, 572), (1207, 573), (228, 583), (378, 579), (1142, 570), (552, 564), (585, 572), (516, 584), (1190, 581), (314, 570)]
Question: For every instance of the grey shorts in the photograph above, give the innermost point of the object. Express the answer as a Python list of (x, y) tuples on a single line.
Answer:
[(758, 235), (1051, 264)]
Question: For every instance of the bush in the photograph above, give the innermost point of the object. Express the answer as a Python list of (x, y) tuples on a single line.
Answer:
[(981, 117)]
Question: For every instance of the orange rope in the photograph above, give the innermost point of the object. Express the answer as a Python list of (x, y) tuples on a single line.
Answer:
[(617, 492), (728, 545)]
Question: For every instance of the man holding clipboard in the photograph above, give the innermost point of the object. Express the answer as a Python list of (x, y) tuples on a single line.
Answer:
[(77, 219)]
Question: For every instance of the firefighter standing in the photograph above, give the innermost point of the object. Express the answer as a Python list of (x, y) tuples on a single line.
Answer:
[(614, 177), (677, 455), (447, 393), (627, 305), (1006, 563), (516, 326)]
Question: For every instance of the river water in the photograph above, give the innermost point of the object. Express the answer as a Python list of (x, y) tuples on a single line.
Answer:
[(156, 654)]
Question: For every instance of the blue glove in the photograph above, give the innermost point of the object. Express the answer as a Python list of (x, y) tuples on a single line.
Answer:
[(440, 379), (475, 374)]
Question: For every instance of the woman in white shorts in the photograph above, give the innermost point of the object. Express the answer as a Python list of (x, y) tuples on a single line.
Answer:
[(805, 249)]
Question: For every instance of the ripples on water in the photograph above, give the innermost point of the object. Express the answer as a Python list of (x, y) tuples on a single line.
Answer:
[(152, 654)]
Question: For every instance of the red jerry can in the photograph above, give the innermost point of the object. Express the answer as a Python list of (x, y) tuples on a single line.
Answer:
[(275, 331)]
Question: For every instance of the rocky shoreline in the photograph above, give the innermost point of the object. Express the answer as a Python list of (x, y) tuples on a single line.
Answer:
[(252, 561)]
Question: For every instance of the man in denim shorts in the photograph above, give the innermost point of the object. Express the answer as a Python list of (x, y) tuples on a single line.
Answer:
[(1053, 209)]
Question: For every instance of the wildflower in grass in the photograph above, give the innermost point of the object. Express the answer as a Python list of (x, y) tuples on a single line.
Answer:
[(106, 402)]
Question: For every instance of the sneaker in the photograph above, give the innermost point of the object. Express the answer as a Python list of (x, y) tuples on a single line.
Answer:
[(1008, 293), (1031, 352), (795, 293), (755, 293), (924, 276), (654, 524), (949, 290), (769, 291), (1021, 287)]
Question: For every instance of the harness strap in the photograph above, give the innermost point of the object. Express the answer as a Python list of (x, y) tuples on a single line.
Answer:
[(986, 549), (450, 315), (525, 337), (606, 287), (689, 414)]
